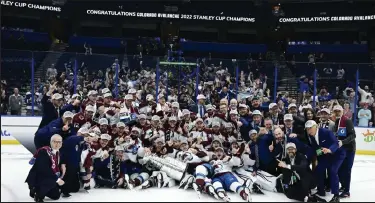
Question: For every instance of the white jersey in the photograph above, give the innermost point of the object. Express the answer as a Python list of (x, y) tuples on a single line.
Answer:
[(199, 134), (221, 166), (154, 134)]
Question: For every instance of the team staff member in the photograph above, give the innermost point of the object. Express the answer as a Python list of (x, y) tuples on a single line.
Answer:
[(44, 177), (330, 156), (345, 132), (52, 107)]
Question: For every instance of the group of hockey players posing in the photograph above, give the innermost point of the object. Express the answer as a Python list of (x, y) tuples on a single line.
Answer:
[(137, 145)]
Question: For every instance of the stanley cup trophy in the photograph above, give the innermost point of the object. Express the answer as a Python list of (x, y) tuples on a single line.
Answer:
[(175, 169)]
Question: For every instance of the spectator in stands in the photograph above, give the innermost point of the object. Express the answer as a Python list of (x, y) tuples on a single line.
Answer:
[(4, 98), (364, 116), (372, 122), (366, 96), (348, 113), (51, 72), (225, 93), (349, 95), (303, 88), (15, 103)]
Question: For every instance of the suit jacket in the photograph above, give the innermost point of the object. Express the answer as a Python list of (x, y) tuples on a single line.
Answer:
[(299, 130), (195, 109), (348, 142), (41, 174), (326, 140)]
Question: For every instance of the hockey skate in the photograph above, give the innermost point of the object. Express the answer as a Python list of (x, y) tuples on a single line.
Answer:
[(211, 190), (223, 195), (187, 182), (160, 180), (246, 192), (256, 189), (151, 182)]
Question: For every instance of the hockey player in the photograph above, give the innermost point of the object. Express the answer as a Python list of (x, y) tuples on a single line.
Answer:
[(110, 169), (103, 126), (84, 118), (92, 100), (201, 132), (222, 177), (259, 179), (173, 131), (86, 165), (154, 132)]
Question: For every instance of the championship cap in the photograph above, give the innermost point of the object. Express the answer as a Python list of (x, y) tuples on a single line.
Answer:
[(74, 96), (292, 105), (172, 118), (90, 108), (288, 116), (272, 105), (310, 123), (155, 118), (215, 123), (105, 90), (57, 96), (326, 110), (149, 97), (199, 120), (175, 105), (253, 132), (92, 134), (257, 112), (201, 96), (128, 97), (142, 116), (103, 121), (83, 130), (92, 92), (105, 137), (290, 145), (132, 91), (185, 112), (233, 112), (68, 114), (338, 108), (107, 95), (120, 125), (242, 106), (209, 107)]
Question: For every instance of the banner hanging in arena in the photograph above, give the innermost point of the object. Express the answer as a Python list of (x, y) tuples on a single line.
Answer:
[(327, 19), (31, 6), (171, 16)]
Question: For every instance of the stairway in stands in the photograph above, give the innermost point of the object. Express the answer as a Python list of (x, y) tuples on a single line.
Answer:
[(55, 52), (287, 82)]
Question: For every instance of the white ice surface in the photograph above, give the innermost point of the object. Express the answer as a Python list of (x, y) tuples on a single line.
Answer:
[(15, 167)]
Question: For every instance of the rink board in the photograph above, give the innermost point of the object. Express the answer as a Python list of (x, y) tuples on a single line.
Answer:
[(24, 128)]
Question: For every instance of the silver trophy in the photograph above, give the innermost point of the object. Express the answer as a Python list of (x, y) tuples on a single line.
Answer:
[(175, 169)]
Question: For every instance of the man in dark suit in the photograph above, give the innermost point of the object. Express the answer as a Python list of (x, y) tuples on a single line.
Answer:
[(200, 108), (330, 156), (52, 107), (292, 129), (44, 177), (275, 115), (297, 176), (345, 132)]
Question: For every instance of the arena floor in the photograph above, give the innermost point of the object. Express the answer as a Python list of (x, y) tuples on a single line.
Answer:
[(14, 169)]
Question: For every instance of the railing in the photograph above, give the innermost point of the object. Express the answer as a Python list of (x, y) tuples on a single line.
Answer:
[(182, 76)]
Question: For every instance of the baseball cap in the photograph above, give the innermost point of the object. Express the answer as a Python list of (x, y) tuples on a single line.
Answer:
[(120, 124), (128, 97), (233, 112), (310, 123), (92, 92), (149, 97), (242, 106), (90, 108), (288, 117), (103, 121), (257, 112), (201, 96), (271, 105), (105, 90), (215, 123), (338, 108), (253, 132), (107, 95), (142, 116), (199, 120), (292, 105), (57, 96), (185, 112), (105, 137), (119, 148), (290, 145), (83, 130), (209, 107), (155, 118), (132, 91), (68, 114), (326, 110), (172, 118), (92, 134), (175, 104)]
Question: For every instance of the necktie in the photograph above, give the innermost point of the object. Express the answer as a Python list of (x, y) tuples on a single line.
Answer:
[(201, 111), (313, 142), (288, 131), (58, 112)]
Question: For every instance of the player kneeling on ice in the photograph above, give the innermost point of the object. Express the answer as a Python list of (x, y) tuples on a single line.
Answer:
[(250, 170), (297, 175), (223, 179), (110, 169)]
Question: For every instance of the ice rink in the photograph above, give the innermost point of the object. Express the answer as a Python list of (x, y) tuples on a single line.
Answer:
[(14, 169)]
